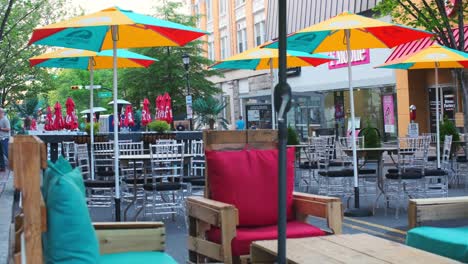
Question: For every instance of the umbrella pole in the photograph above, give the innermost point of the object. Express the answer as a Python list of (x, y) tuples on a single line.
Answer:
[(437, 113), (282, 95), (356, 212), (91, 113), (114, 30), (273, 113)]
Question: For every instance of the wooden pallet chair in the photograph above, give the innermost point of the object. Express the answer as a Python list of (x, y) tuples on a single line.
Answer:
[(35, 233), (222, 232)]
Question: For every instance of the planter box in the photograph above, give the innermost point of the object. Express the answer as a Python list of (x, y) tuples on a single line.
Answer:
[(151, 138), (82, 139)]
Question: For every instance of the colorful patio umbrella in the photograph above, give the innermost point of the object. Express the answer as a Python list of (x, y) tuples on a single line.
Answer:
[(58, 118), (348, 31), (168, 108), (264, 59), (71, 120), (49, 121), (115, 28), (129, 119), (90, 60), (145, 113), (433, 57)]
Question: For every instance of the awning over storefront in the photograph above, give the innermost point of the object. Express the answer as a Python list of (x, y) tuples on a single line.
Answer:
[(411, 47)]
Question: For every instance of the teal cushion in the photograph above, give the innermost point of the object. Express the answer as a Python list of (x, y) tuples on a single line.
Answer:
[(60, 168), (137, 258), (70, 236), (448, 242)]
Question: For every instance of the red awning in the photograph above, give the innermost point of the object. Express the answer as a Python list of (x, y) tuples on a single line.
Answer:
[(413, 46)]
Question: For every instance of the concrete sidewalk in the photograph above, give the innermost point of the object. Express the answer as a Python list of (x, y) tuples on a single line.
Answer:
[(6, 202)]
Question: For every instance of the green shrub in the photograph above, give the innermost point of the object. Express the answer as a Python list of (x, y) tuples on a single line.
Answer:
[(371, 136), (293, 138), (159, 126), (447, 127), (88, 128)]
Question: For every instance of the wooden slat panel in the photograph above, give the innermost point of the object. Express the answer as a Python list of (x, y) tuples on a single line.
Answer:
[(127, 225), (313, 197), (203, 213), (125, 240), (441, 212), (308, 207), (204, 247), (447, 200)]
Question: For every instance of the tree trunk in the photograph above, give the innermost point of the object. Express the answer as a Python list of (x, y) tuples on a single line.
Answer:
[(462, 80), (211, 122)]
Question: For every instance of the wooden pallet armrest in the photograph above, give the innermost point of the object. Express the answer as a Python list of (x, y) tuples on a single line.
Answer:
[(130, 236), (203, 214), (326, 207), (436, 209)]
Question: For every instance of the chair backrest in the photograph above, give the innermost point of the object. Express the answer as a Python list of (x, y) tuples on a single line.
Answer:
[(412, 152), (346, 143), (197, 149), (82, 159), (167, 160), (446, 151), (237, 140), (69, 151), (131, 148), (103, 156)]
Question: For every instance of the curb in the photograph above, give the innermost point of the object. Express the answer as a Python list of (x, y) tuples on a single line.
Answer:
[(6, 203)]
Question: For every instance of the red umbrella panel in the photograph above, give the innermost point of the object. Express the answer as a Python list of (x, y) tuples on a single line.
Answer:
[(145, 112), (159, 108), (58, 118), (33, 124), (71, 120), (49, 121), (168, 108), (129, 119)]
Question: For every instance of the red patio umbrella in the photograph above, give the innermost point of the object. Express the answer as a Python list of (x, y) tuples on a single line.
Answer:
[(71, 120), (49, 121), (129, 120), (168, 108), (33, 124), (145, 112), (159, 108), (58, 118)]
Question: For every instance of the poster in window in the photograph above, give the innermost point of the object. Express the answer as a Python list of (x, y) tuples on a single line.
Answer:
[(389, 113)]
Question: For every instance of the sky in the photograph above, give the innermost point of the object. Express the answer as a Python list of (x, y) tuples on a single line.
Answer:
[(138, 6)]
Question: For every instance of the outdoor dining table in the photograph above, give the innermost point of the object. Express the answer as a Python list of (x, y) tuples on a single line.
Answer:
[(145, 158), (378, 153)]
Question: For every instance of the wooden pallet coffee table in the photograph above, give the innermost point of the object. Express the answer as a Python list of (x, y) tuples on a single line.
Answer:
[(358, 248)]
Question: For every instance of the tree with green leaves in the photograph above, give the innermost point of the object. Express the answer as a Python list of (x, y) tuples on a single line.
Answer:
[(208, 112), (168, 74), (17, 20), (431, 15)]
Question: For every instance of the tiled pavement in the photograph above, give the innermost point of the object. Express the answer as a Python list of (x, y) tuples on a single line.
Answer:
[(6, 201)]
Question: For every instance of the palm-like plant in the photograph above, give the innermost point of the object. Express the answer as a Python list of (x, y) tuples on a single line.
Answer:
[(208, 112)]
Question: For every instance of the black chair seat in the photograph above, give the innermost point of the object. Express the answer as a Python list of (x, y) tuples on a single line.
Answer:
[(198, 182), (435, 172), (99, 184), (339, 163), (461, 159), (138, 180), (164, 186), (345, 172), (407, 175), (308, 165), (193, 178), (431, 158), (427, 172), (105, 173)]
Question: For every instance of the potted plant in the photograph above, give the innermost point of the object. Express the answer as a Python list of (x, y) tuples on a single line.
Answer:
[(159, 126), (208, 111), (371, 138), (88, 128), (447, 128)]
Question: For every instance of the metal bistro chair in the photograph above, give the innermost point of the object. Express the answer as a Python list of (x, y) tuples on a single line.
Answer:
[(129, 169), (438, 179), (407, 181), (308, 168), (99, 193), (196, 175), (165, 193), (69, 152)]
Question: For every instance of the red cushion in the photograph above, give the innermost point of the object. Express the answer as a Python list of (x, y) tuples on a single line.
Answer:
[(248, 179), (245, 236)]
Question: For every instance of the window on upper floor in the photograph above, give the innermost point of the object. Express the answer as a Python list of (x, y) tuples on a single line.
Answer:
[(222, 7), (224, 47), (259, 33), (211, 51), (241, 40), (239, 2), (209, 10)]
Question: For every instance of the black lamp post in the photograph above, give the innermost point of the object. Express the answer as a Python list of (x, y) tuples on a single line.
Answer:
[(188, 98)]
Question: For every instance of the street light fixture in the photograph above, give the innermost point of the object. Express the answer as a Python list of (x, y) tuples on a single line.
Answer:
[(188, 98)]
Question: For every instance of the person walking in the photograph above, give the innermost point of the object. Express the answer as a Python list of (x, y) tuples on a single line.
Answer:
[(240, 124), (4, 138)]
